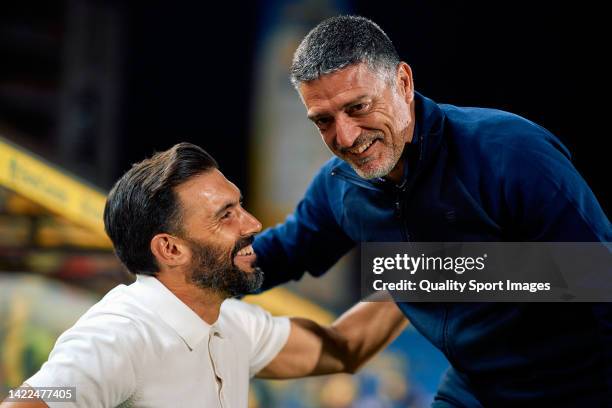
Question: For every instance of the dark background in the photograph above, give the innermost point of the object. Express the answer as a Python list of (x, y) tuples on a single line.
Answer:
[(183, 71)]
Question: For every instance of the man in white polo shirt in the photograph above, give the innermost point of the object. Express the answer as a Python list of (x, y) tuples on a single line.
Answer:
[(175, 337)]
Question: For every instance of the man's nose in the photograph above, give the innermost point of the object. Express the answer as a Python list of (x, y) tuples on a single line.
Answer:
[(250, 224), (346, 131)]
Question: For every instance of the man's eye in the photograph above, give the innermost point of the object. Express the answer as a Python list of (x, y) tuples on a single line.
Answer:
[(322, 122), (358, 107), (226, 215)]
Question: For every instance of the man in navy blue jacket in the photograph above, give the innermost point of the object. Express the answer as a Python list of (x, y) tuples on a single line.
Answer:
[(408, 169)]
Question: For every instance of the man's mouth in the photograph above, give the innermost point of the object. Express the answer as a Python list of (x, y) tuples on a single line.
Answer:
[(246, 251), (362, 148), (245, 259)]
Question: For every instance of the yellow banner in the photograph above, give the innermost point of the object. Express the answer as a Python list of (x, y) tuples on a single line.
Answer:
[(61, 193)]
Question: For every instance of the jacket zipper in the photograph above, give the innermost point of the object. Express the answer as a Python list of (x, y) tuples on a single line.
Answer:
[(399, 214)]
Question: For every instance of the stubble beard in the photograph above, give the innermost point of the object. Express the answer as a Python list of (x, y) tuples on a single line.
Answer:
[(367, 168)]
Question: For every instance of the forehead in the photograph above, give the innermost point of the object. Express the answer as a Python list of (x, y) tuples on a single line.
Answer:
[(341, 86), (206, 193)]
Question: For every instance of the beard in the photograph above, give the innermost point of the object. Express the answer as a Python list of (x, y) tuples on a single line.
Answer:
[(213, 268)]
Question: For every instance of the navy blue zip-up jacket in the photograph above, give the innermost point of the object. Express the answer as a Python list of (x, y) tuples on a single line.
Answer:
[(472, 175)]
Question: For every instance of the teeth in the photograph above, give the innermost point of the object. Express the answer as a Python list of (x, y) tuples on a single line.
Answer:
[(246, 251), (362, 148)]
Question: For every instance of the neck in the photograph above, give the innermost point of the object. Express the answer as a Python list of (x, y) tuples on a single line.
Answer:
[(205, 303), (397, 173)]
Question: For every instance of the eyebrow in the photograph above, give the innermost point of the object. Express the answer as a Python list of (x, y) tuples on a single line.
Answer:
[(316, 116), (227, 206)]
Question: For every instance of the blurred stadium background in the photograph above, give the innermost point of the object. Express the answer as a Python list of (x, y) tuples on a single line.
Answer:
[(88, 87)]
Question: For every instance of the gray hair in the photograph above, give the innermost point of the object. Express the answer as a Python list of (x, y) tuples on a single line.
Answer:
[(339, 42)]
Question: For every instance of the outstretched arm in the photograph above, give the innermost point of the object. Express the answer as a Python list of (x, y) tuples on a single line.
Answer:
[(285, 252), (344, 346)]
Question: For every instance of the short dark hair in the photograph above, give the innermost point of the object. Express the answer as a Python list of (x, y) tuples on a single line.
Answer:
[(143, 203), (339, 42)]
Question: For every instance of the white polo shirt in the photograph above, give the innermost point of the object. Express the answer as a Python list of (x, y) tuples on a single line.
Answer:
[(140, 346)]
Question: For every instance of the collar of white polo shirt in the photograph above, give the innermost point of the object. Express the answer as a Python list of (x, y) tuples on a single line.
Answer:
[(176, 314)]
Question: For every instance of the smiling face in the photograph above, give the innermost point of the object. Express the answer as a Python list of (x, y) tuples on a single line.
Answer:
[(362, 118), (219, 233)]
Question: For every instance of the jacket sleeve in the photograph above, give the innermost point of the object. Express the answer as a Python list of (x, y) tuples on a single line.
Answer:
[(547, 199), (310, 239)]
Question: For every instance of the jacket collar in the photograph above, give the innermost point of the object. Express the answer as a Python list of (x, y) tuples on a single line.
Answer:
[(426, 142)]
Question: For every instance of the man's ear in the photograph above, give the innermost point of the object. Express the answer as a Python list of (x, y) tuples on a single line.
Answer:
[(404, 82), (169, 250)]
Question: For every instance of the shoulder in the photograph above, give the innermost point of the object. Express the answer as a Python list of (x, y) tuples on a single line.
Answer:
[(118, 319), (494, 134), (101, 354), (249, 319), (120, 303), (240, 313)]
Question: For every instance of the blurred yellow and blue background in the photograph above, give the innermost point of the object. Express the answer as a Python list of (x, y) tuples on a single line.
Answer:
[(88, 87)]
